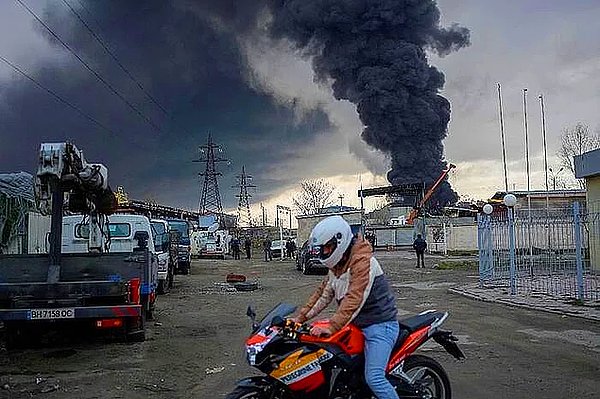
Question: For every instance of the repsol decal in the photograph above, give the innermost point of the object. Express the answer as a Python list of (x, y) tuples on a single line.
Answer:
[(296, 367)]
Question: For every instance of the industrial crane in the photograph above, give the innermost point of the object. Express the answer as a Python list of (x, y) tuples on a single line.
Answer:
[(415, 211)]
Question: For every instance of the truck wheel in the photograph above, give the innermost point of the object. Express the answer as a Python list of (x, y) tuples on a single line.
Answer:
[(135, 330)]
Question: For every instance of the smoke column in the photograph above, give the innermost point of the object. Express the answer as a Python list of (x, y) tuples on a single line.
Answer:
[(374, 54)]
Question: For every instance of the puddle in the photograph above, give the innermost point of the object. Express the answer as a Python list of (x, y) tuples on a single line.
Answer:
[(585, 338)]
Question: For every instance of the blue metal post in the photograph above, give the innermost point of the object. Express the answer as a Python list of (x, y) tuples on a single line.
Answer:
[(577, 225), (481, 246), (490, 246), (512, 254)]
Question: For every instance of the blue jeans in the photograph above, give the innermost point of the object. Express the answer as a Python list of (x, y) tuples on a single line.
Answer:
[(379, 342)]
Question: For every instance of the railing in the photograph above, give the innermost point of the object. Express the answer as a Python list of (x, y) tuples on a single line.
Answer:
[(553, 252)]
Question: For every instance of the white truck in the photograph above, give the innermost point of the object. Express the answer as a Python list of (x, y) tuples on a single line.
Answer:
[(164, 252)]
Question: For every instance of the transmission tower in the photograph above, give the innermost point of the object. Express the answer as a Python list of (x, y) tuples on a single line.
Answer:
[(244, 182), (210, 198)]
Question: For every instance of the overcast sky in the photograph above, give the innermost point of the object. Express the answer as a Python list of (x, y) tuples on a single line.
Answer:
[(259, 99)]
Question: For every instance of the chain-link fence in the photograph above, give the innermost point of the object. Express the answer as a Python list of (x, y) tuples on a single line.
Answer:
[(555, 252)]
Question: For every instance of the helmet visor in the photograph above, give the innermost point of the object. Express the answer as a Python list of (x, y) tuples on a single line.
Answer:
[(326, 250)]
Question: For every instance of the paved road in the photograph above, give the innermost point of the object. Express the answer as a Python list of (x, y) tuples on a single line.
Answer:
[(195, 349)]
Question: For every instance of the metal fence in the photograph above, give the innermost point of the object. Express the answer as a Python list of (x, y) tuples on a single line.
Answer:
[(553, 252)]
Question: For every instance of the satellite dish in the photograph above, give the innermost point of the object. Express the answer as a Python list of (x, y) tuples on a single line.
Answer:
[(213, 227)]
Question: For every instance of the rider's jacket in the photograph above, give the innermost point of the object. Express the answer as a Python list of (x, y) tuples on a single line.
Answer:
[(360, 288)]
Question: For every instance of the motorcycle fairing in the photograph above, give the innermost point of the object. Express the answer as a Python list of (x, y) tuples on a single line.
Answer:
[(301, 370)]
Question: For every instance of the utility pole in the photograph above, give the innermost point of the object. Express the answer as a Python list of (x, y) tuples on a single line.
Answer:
[(210, 198), (503, 141), (244, 182), (341, 197)]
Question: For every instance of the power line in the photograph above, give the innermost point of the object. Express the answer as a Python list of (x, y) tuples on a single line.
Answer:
[(57, 97), (89, 68), (114, 57)]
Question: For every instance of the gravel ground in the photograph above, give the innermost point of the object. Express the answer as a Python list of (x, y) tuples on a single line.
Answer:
[(194, 347)]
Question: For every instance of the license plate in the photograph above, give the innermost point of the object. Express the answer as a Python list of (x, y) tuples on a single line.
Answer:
[(51, 314)]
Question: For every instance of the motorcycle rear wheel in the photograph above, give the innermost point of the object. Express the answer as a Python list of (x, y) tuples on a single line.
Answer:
[(429, 376)]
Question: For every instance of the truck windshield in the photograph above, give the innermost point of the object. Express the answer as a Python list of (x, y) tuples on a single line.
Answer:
[(158, 227), (181, 227), (116, 230)]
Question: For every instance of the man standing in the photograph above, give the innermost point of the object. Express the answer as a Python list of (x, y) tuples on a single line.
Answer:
[(267, 249), (420, 245), (248, 247), (235, 247)]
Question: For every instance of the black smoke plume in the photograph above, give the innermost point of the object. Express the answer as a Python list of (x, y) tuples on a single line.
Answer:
[(374, 53)]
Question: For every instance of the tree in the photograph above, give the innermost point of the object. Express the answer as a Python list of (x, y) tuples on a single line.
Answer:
[(313, 196), (576, 141)]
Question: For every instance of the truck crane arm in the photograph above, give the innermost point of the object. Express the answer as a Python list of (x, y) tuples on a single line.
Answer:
[(415, 211), (63, 165), (62, 168)]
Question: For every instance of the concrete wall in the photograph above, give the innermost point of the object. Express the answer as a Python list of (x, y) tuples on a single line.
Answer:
[(593, 206), (462, 237)]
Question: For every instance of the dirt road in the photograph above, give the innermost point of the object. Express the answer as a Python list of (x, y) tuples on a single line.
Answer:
[(194, 348)]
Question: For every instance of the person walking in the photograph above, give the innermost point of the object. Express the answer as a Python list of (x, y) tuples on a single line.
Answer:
[(235, 247), (267, 249), (420, 245), (288, 248), (248, 247)]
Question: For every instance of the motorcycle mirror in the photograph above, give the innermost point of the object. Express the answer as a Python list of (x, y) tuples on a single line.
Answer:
[(277, 321)]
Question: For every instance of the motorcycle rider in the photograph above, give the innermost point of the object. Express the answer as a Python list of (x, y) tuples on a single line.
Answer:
[(356, 281)]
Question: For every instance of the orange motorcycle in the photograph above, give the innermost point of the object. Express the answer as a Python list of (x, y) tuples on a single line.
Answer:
[(299, 365)]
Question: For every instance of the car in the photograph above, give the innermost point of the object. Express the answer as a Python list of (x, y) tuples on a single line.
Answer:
[(308, 264), (277, 246)]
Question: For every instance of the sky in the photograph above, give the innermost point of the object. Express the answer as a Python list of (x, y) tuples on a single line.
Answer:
[(212, 72)]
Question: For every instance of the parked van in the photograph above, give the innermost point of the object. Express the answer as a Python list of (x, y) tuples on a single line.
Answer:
[(167, 256)]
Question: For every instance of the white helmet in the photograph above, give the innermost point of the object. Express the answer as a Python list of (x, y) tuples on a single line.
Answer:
[(329, 240)]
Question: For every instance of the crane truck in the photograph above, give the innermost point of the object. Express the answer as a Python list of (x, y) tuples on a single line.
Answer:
[(98, 289)]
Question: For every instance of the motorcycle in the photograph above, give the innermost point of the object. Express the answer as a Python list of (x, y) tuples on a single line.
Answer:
[(299, 365)]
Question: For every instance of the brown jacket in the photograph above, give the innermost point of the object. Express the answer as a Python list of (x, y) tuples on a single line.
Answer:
[(350, 284)]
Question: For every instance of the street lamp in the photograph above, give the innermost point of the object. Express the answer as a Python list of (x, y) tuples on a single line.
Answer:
[(510, 201), (280, 224), (488, 209), (554, 176)]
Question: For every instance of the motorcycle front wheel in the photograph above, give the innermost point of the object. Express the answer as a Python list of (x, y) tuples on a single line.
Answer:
[(428, 376)]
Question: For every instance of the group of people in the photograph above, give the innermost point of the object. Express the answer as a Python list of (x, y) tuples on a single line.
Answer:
[(236, 247), (290, 249)]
